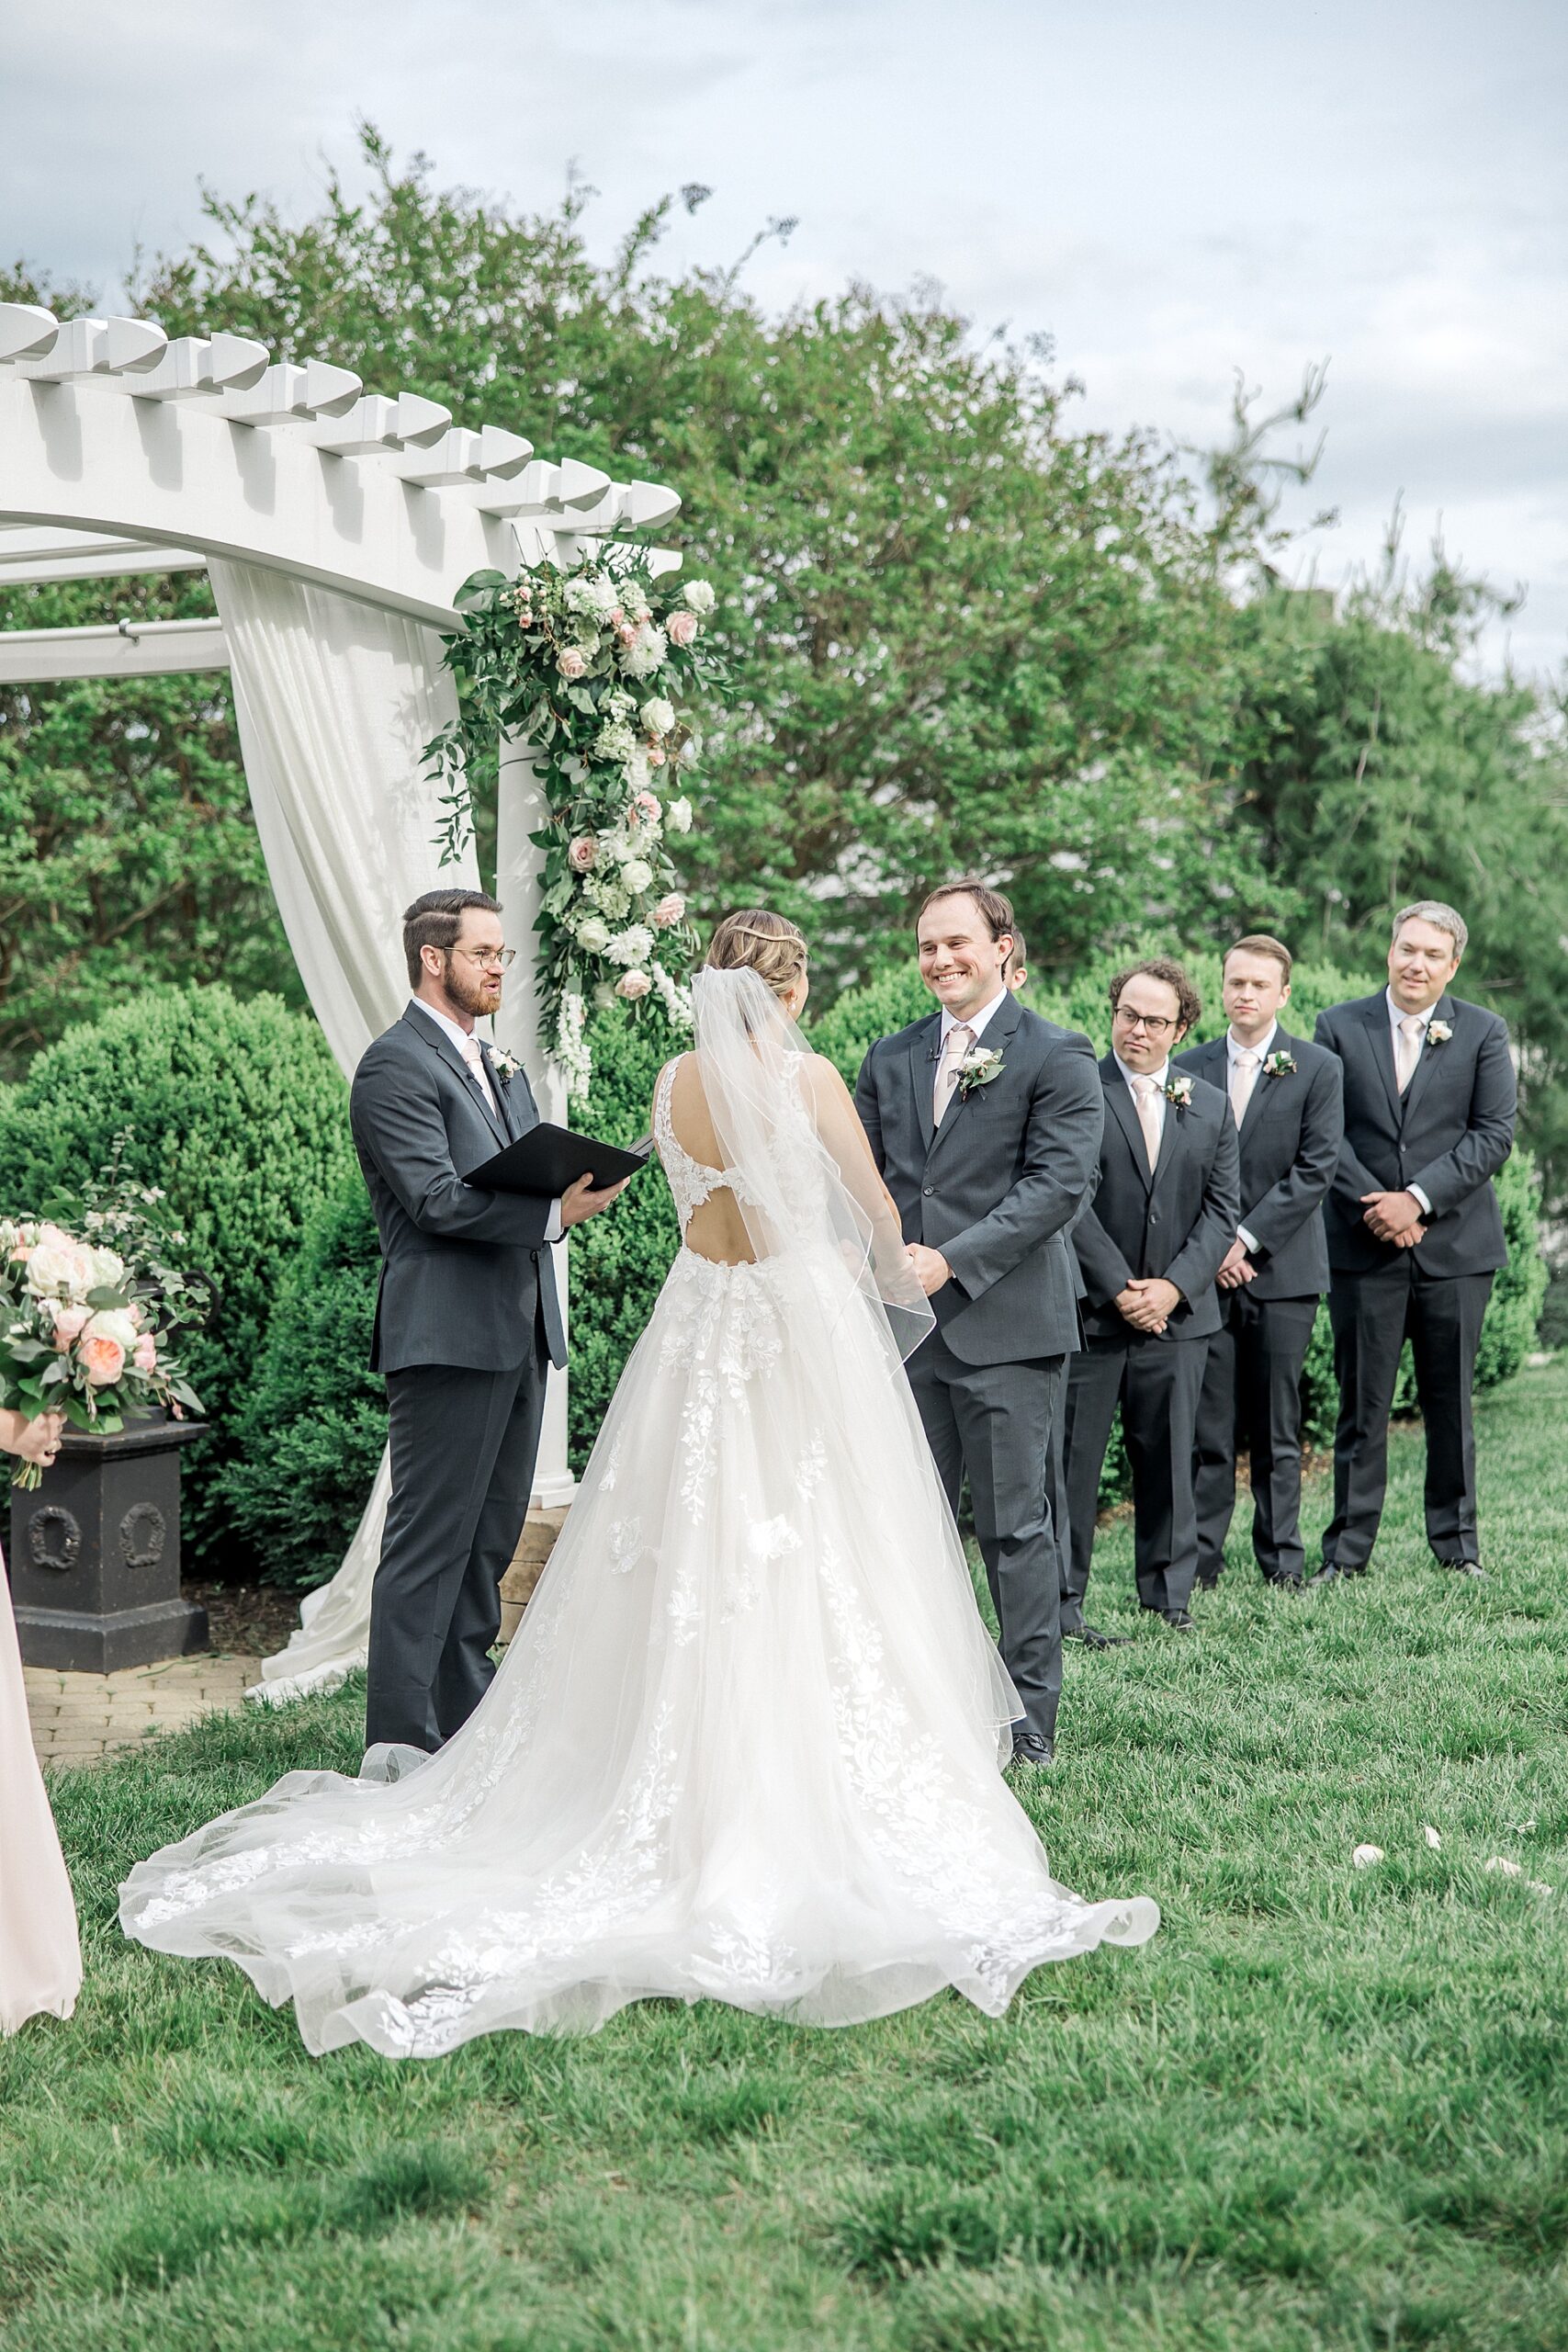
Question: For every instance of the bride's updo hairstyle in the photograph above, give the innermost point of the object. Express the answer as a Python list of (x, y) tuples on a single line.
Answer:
[(754, 939)]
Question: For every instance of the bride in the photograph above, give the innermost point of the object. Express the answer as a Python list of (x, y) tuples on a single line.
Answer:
[(746, 1744)]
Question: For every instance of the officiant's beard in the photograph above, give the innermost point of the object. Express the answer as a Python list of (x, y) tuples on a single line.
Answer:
[(476, 994)]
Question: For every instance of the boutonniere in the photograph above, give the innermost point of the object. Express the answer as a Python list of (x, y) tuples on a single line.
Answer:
[(505, 1065), (978, 1068), (1437, 1032), (1178, 1089), (1279, 1065)]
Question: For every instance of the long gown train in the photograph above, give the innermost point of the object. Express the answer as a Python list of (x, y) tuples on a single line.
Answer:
[(41, 1959), (744, 1746)]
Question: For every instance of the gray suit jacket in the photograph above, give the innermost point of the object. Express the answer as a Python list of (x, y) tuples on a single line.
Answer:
[(1449, 1133), (996, 1186), (463, 1272), (1290, 1147), (1177, 1220)]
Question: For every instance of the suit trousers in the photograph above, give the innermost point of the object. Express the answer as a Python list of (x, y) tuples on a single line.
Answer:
[(994, 1421), (1373, 1315), (1157, 1383), (1251, 1403), (464, 1445)]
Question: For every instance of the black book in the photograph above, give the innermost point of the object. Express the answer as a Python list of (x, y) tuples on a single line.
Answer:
[(549, 1160)]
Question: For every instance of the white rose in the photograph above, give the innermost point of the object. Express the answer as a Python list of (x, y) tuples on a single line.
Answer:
[(113, 1323), (109, 1271), (677, 816), (633, 945), (658, 716), (637, 876), (699, 596), (633, 985), (594, 935), (61, 1270)]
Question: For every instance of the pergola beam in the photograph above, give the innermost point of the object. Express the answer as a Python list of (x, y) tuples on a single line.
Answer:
[(35, 657)]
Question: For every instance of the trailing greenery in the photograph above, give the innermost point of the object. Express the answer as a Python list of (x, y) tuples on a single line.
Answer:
[(312, 1426), (237, 1110), (1323, 2111)]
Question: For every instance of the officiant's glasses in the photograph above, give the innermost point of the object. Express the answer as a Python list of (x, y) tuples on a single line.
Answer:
[(495, 959)]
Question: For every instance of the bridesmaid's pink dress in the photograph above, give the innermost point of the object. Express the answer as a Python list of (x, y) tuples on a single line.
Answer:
[(41, 1959)]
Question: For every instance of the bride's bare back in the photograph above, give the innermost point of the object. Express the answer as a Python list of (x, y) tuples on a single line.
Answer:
[(716, 1230)]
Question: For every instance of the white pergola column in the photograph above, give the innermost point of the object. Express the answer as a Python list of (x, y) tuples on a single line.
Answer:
[(522, 809)]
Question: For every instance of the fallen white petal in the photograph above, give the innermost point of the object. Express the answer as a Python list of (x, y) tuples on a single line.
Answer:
[(1538, 1886), (1364, 1856), (1510, 1869), (1432, 1837)]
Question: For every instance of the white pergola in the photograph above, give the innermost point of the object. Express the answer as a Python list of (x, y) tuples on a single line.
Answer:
[(123, 451)]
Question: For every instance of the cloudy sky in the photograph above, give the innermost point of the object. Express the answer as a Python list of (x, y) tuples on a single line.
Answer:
[(1173, 189)]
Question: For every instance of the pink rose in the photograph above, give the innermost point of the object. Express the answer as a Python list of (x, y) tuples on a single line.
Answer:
[(145, 1355), (680, 627), (22, 1253), (646, 808), (632, 985), (70, 1324), (584, 854), (655, 756), (625, 630), (571, 663), (102, 1360), (669, 911)]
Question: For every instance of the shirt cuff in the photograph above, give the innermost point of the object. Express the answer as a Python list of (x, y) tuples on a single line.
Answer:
[(1418, 1195), (555, 1230), (1246, 1239)]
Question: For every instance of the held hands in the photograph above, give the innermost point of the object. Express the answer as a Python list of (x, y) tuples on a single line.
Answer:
[(1393, 1216), (580, 1201), (1236, 1268), (931, 1268), (1148, 1302), (35, 1440)]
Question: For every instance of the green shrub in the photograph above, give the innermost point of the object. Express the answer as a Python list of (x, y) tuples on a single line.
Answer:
[(237, 1110), (312, 1426)]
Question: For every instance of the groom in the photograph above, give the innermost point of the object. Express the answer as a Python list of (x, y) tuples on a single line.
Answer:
[(985, 1121), (466, 1320)]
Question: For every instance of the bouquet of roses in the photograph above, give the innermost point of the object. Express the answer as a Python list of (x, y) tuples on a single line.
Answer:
[(87, 1328)]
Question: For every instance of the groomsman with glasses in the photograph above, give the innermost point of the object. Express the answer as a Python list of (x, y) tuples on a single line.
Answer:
[(1415, 1231), (1148, 1245), (1286, 1098)]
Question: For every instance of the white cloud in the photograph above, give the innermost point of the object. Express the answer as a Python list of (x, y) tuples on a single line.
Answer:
[(1172, 192)]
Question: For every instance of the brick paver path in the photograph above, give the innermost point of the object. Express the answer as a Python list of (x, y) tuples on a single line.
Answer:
[(78, 1718)]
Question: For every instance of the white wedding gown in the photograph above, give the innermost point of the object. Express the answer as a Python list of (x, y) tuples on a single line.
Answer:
[(745, 1744)]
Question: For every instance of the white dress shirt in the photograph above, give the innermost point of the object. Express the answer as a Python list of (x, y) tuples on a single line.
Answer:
[(460, 1037), (1233, 1054), (1395, 1018), (1161, 1077), (976, 1021)]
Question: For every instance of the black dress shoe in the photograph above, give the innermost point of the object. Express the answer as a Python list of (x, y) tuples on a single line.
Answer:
[(1177, 1620), (1206, 1580), (1283, 1584), (1093, 1639), (1032, 1749), (1460, 1567), (1329, 1573)]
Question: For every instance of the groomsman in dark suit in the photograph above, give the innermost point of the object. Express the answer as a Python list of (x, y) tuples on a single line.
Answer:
[(1149, 1246), (1415, 1231), (1286, 1099)]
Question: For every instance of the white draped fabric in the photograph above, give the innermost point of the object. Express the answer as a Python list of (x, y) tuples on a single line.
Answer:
[(335, 701)]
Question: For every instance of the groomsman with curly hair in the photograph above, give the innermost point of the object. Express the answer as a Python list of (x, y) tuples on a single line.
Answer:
[(1149, 1246)]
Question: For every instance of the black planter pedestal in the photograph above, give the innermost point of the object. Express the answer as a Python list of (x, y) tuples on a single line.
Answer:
[(94, 1553)]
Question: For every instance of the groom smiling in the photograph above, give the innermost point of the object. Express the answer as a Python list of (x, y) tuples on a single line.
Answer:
[(986, 1122)]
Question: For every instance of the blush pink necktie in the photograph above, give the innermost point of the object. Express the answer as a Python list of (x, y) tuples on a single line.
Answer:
[(1410, 1029), (1146, 1093), (1243, 1077), (960, 1037), (476, 1062)]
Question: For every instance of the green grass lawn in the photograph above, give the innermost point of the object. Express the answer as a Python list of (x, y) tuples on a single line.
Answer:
[(1325, 2106)]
